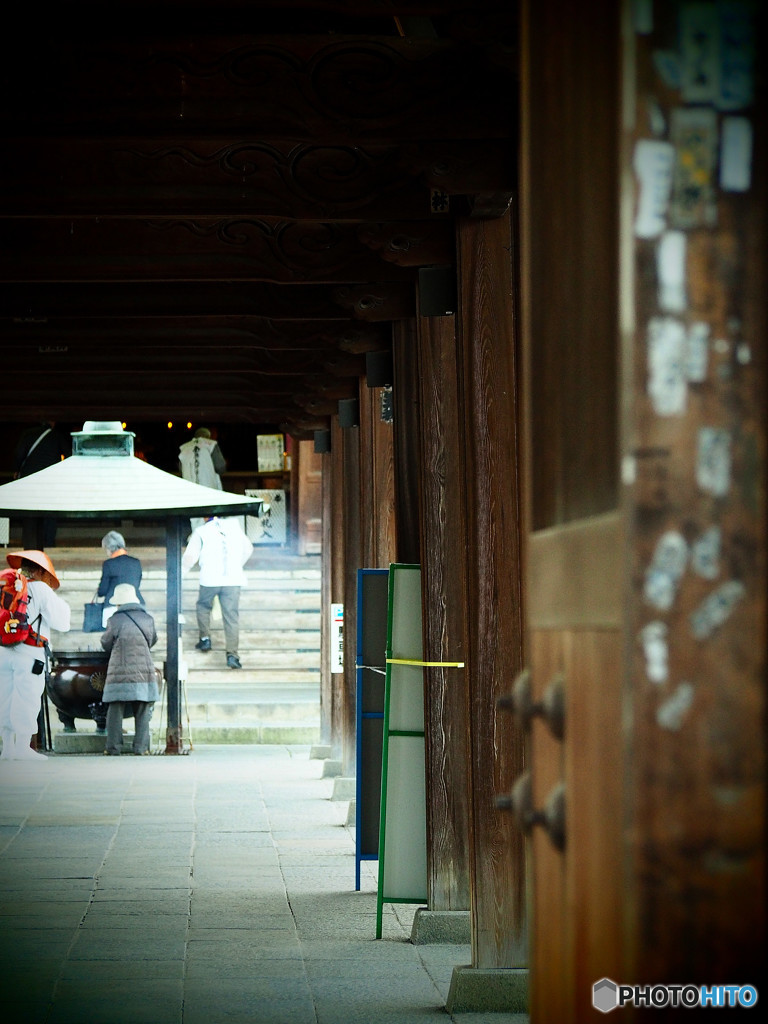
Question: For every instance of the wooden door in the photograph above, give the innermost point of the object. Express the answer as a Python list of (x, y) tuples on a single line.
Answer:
[(656, 874), (307, 485), (569, 244)]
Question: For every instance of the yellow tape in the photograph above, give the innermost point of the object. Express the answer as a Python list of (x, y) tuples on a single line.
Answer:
[(426, 664)]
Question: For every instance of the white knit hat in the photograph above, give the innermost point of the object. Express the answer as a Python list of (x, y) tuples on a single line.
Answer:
[(125, 594)]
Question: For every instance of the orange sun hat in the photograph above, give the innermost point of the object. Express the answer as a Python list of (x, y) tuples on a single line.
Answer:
[(14, 559)]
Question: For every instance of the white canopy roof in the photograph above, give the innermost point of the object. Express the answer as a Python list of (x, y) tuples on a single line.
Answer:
[(96, 486)]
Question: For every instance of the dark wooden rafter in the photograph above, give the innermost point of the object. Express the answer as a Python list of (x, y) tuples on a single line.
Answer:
[(252, 334), (200, 408), (238, 196), (35, 303), (350, 8), (411, 244), (345, 90), (151, 360), (226, 380), (243, 249), (166, 177)]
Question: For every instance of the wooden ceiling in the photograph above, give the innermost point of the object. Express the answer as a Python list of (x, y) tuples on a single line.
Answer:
[(213, 210)]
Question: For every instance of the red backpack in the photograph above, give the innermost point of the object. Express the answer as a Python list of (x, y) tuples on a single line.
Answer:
[(14, 598)]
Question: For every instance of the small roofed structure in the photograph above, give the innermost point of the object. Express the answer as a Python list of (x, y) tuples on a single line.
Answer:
[(103, 479)]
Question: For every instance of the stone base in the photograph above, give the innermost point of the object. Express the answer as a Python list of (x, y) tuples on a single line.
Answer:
[(331, 768), (285, 734), (488, 990), (274, 733), (344, 788), (351, 814), (319, 751), (86, 742), (431, 927)]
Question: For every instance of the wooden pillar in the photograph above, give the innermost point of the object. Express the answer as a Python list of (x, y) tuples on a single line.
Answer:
[(444, 586), (569, 189), (407, 441), (493, 610), (695, 493), (306, 498), (327, 730), (332, 683), (377, 476), (352, 560), (644, 217)]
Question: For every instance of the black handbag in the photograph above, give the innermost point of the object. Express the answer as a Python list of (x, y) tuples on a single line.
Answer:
[(93, 619)]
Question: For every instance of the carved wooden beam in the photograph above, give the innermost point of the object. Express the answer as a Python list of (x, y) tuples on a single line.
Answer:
[(329, 387), (357, 9), (373, 303), (254, 387), (254, 334), (305, 432), (359, 338), (412, 244), (315, 406), (346, 90), (64, 409), (455, 167), (222, 407), (341, 365), (212, 177), (245, 249), (302, 428), (252, 364)]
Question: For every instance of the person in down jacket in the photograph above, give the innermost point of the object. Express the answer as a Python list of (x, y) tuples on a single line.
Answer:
[(131, 686)]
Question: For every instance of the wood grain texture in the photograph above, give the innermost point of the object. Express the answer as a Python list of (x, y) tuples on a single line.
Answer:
[(339, 716), (353, 510), (575, 566), (571, 84), (563, 588), (494, 610), (329, 731), (407, 440), (663, 875), (377, 478), (307, 509), (444, 576), (696, 781)]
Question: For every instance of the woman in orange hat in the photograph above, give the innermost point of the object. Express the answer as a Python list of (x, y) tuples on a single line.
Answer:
[(22, 665)]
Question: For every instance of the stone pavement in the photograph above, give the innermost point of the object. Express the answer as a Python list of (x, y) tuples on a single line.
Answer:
[(215, 887)]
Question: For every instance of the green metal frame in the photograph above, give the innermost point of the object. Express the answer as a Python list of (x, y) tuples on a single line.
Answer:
[(382, 898)]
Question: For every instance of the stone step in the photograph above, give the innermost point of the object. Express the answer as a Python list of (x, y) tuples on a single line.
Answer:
[(250, 673), (210, 721), (155, 580), (268, 644), (252, 658), (75, 591), (267, 732), (248, 715), (155, 589), (263, 610), (274, 698), (88, 562)]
